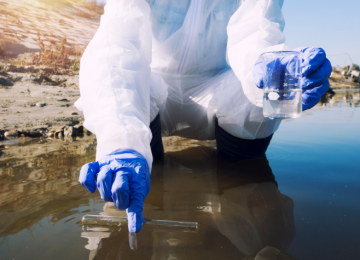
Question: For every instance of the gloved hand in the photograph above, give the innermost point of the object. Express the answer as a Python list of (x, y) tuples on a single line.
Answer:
[(316, 70), (122, 177)]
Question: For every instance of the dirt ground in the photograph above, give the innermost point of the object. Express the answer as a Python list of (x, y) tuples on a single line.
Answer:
[(27, 103), (36, 99)]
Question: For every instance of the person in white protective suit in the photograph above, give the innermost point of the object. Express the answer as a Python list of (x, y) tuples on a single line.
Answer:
[(188, 65)]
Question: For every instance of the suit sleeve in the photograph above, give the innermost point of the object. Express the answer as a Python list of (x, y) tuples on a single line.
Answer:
[(256, 27), (115, 79)]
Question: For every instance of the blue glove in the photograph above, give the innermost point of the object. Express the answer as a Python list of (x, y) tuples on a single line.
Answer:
[(122, 177), (316, 70)]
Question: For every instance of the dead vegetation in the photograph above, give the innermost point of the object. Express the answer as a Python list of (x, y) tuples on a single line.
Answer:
[(60, 56), (95, 7), (85, 14), (56, 53), (4, 41)]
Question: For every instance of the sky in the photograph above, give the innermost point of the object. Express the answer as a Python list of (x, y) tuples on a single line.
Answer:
[(329, 24)]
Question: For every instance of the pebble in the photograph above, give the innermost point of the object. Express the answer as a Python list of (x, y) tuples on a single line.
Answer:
[(40, 104), (69, 131), (11, 134), (74, 113), (55, 132), (59, 133)]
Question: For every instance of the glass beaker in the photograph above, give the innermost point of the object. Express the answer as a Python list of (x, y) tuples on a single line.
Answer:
[(282, 90)]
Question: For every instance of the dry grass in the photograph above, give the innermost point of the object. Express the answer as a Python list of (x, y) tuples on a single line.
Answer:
[(60, 56), (86, 15), (55, 52), (93, 10), (94, 7), (2, 48), (4, 41)]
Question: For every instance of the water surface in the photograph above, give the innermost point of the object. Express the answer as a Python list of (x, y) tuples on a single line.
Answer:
[(302, 198)]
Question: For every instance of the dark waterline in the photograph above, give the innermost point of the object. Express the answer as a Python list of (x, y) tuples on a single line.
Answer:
[(302, 198)]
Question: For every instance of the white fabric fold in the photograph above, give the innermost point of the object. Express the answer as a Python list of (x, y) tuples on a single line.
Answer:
[(115, 79), (256, 27)]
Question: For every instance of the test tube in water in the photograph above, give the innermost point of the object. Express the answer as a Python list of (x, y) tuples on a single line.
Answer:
[(122, 221)]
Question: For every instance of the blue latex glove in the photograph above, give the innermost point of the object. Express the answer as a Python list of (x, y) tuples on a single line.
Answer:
[(316, 70), (122, 177)]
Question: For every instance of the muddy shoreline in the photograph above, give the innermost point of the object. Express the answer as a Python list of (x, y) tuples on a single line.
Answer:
[(32, 105)]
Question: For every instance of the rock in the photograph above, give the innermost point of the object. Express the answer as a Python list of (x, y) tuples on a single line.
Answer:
[(30, 132), (79, 128), (55, 132), (69, 131), (6, 83), (59, 133), (74, 113), (11, 134), (40, 104)]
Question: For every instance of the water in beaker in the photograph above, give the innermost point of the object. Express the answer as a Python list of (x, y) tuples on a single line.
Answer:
[(282, 90)]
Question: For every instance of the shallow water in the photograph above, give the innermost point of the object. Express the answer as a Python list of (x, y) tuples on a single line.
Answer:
[(303, 198)]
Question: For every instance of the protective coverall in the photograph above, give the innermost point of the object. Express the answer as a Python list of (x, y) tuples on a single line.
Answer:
[(192, 62)]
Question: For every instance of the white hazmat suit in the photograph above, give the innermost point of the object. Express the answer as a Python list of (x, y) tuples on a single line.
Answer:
[(189, 61)]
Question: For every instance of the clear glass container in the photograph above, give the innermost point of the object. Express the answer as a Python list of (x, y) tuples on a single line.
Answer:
[(282, 89), (122, 221)]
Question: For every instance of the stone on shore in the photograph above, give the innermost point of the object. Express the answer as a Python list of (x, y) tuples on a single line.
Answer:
[(11, 133), (40, 104)]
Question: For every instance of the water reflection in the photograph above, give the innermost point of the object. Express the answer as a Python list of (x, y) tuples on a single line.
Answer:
[(38, 178), (341, 97), (241, 212)]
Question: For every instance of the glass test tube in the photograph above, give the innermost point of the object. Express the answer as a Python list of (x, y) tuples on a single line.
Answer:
[(122, 221)]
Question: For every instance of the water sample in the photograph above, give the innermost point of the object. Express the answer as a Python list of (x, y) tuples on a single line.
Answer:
[(122, 221), (282, 103), (282, 90)]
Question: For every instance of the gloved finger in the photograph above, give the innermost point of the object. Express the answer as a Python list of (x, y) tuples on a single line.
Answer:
[(133, 241), (139, 190), (104, 182), (318, 77), (87, 176), (313, 57), (120, 189), (312, 96), (258, 74)]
